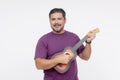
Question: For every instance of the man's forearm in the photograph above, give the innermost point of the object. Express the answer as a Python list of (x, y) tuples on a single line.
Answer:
[(45, 63), (86, 52)]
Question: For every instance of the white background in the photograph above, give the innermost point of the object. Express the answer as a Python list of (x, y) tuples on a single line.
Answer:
[(23, 22)]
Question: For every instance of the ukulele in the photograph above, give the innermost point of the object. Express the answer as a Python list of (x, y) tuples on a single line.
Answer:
[(70, 51)]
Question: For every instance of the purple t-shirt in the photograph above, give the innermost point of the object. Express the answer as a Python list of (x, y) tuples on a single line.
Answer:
[(52, 43)]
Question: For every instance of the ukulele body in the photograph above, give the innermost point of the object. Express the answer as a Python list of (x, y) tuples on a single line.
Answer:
[(61, 68)]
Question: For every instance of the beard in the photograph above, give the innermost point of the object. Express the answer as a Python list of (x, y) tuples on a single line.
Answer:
[(57, 28)]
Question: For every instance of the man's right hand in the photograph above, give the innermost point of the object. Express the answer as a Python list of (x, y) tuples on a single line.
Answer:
[(63, 58)]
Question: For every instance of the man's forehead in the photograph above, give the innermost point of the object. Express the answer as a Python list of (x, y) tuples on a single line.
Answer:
[(56, 15)]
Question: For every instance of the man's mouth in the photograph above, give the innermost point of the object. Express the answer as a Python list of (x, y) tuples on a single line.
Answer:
[(57, 25)]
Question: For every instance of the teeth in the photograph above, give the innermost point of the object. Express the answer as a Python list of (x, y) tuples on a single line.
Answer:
[(57, 25)]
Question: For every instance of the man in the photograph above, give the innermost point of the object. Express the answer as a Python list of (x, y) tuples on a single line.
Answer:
[(56, 41)]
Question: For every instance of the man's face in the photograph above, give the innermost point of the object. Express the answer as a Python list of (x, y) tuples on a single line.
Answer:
[(57, 22)]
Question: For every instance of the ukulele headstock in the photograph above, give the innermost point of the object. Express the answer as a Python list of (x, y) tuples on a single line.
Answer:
[(96, 30)]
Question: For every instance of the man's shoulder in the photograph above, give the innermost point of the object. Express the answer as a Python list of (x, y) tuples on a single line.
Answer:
[(71, 33)]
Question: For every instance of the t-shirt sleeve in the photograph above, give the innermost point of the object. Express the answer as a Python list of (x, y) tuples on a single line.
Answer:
[(80, 49), (41, 49)]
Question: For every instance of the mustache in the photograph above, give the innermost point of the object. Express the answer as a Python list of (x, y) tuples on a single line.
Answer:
[(57, 24)]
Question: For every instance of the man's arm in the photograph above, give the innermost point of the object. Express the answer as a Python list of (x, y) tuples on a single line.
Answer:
[(86, 52), (50, 63), (45, 63)]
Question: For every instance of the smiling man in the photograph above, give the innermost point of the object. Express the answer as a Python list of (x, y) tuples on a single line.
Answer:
[(56, 41)]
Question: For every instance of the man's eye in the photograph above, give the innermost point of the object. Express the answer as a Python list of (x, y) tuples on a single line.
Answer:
[(59, 18), (52, 19)]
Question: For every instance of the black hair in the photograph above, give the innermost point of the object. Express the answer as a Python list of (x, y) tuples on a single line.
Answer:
[(57, 10)]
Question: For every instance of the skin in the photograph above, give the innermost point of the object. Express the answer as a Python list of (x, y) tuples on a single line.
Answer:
[(57, 22)]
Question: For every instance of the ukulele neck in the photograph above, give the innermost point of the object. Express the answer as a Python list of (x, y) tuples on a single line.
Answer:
[(78, 44)]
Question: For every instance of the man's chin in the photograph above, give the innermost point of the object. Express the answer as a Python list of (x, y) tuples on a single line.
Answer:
[(57, 31)]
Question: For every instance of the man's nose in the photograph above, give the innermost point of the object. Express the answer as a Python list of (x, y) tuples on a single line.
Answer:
[(56, 21)]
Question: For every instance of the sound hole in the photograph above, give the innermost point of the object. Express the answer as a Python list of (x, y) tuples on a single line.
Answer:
[(67, 54)]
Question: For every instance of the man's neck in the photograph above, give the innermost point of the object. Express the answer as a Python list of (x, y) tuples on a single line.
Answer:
[(59, 32)]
